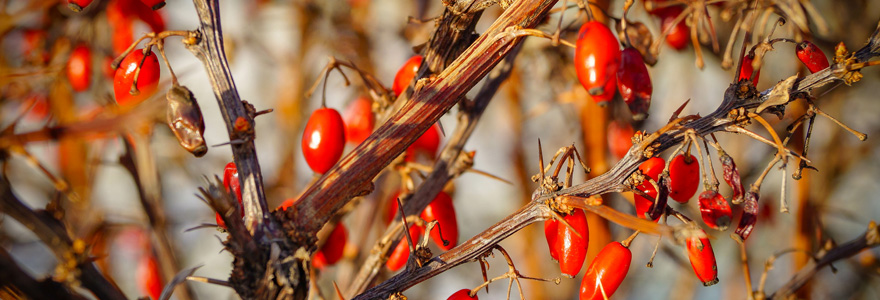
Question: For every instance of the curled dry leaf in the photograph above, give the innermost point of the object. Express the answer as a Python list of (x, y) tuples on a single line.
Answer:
[(640, 38), (779, 95)]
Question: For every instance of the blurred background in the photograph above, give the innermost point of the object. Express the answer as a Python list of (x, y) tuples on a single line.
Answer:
[(277, 49)]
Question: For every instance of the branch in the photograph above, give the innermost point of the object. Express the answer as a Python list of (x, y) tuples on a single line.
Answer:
[(53, 233), (444, 170), (13, 278), (870, 239), (737, 98), (353, 175), (239, 121)]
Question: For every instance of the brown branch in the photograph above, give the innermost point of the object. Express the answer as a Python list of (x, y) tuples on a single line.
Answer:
[(432, 98), (54, 234), (209, 49), (16, 279), (870, 239), (612, 181), (444, 170)]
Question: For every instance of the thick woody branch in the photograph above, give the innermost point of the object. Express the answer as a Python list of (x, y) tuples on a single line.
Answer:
[(869, 239), (353, 175), (614, 179), (239, 123), (14, 278), (53, 233), (444, 170)]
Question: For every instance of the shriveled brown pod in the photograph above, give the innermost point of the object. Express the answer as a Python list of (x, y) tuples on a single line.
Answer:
[(184, 117), (659, 206), (749, 215), (731, 176), (640, 38)]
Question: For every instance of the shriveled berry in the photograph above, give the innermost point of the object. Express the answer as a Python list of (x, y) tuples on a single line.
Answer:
[(732, 178), (749, 215), (715, 210), (634, 83)]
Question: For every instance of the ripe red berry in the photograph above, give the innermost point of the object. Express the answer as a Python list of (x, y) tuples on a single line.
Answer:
[(154, 4), (323, 139), (463, 294), (359, 120), (427, 143), (703, 260), (644, 205), (745, 72), (684, 177), (148, 276), (715, 210), (78, 5), (596, 59), (571, 249), (606, 272), (811, 56), (233, 187), (405, 75), (620, 138), (634, 83), (653, 167), (79, 68), (400, 254), (147, 80), (679, 35), (441, 209), (551, 232), (333, 248)]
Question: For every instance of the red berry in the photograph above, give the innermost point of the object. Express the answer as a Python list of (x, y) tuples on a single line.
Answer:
[(122, 36), (620, 138), (78, 5), (703, 260), (287, 203), (684, 177), (715, 210), (148, 277), (609, 268), (571, 248), (811, 56), (79, 68), (122, 11), (400, 254), (427, 143), (745, 72), (441, 209), (147, 81), (405, 75), (233, 187), (333, 248), (391, 209), (596, 59), (359, 120), (653, 167), (679, 35), (323, 139), (154, 4), (463, 294), (551, 232), (634, 83)]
